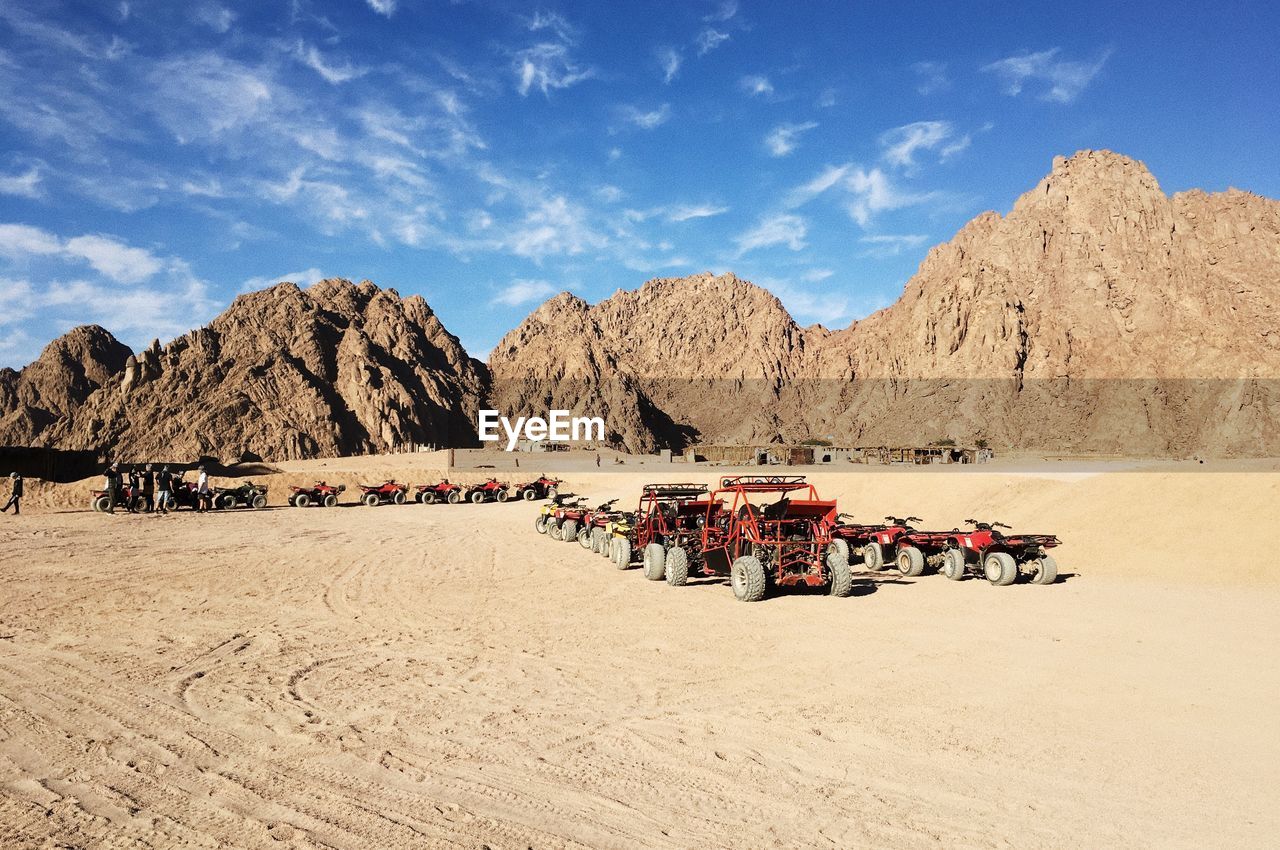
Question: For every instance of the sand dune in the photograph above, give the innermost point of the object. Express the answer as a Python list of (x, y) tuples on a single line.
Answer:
[(442, 676)]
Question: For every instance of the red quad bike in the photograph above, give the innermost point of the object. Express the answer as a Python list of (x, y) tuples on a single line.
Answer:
[(542, 488), (565, 519), (907, 548), (445, 491), (125, 499), (490, 491), (665, 527), (388, 492), (594, 522), (777, 544), (999, 557), (881, 548), (325, 495), (849, 539)]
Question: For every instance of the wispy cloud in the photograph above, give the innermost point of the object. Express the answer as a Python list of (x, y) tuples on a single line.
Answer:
[(1063, 79), (782, 140), (383, 7), (726, 10), (709, 39), (756, 85), (669, 59), (902, 143), (24, 185), (891, 245), (523, 291), (547, 66), (931, 77), (214, 16), (685, 212), (107, 255), (646, 119), (780, 229), (303, 278), (864, 192), (332, 72)]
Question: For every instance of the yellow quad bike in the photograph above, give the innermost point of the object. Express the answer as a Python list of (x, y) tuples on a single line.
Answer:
[(551, 516), (615, 540)]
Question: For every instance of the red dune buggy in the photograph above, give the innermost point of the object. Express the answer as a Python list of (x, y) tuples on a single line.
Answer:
[(668, 518)]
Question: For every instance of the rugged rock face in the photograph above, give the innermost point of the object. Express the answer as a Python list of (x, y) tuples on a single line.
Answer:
[(1099, 315), (53, 387), (287, 373)]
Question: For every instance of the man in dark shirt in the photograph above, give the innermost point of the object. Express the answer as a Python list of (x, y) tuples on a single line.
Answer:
[(148, 489), (15, 497), (164, 484)]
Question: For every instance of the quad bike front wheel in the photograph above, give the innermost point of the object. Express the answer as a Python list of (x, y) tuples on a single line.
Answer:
[(427, 498), (455, 496), (584, 537), (227, 502), (259, 501), (873, 557), (477, 497), (370, 499), (540, 524), (655, 562), (330, 500), (747, 577), (1000, 569), (622, 553), (953, 564), (910, 561), (503, 495), (529, 494), (569, 530), (102, 504), (1044, 570), (554, 530), (677, 566)]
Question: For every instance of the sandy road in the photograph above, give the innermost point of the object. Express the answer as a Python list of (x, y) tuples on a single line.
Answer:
[(442, 676)]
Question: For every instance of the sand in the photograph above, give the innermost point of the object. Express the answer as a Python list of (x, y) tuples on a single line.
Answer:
[(441, 676)]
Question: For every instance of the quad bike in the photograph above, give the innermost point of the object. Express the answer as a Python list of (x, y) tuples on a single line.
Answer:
[(542, 488), (246, 495), (1000, 557), (849, 539), (388, 492), (779, 544), (546, 520), (565, 519), (881, 546), (125, 498), (668, 518), (490, 491), (185, 494), (445, 491), (318, 494), (904, 546), (593, 523)]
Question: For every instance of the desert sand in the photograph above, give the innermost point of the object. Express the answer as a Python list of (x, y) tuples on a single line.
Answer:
[(442, 676)]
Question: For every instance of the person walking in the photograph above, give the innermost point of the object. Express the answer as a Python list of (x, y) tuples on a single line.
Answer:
[(597, 460), (203, 502), (148, 489), (15, 495)]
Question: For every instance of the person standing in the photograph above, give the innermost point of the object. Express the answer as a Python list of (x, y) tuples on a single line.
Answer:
[(112, 483), (15, 495), (164, 490), (203, 502), (148, 488)]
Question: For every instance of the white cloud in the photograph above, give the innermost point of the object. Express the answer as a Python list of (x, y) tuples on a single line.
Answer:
[(206, 96), (383, 7), (891, 245), (709, 39), (18, 241), (522, 291), (686, 212), (782, 140), (782, 229), (866, 192), (828, 177), (303, 278), (650, 120), (334, 73), (1064, 79), (547, 66), (553, 226), (116, 260), (931, 77), (554, 22), (609, 194), (214, 16), (816, 275), (726, 10), (24, 185), (901, 143), (755, 84), (669, 58)]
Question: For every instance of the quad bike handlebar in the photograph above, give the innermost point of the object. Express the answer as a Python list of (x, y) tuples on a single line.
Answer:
[(987, 525), (898, 520)]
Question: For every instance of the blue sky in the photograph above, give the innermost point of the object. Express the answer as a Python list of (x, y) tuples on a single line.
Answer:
[(158, 158)]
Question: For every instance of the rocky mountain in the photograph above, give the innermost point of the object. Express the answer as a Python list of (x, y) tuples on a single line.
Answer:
[(1099, 315), (284, 373), (57, 383)]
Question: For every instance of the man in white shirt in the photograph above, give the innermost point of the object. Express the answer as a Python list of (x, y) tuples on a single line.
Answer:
[(203, 502)]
